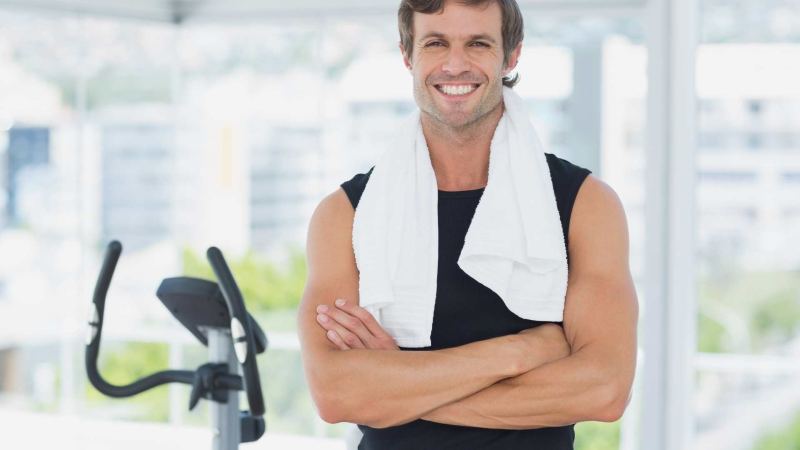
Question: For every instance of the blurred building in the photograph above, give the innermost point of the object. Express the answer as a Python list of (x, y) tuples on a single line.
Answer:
[(748, 150), (138, 182), (285, 182), (749, 154), (28, 148), (289, 158)]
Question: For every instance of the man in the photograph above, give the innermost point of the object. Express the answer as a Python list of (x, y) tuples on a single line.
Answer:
[(501, 389)]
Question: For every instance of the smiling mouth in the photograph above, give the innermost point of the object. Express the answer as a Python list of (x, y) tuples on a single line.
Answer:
[(456, 90)]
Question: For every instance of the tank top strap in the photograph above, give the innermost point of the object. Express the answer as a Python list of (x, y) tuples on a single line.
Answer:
[(566, 177), (355, 186)]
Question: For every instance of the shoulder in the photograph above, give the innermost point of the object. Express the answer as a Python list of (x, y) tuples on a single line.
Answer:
[(598, 211), (329, 244), (332, 212)]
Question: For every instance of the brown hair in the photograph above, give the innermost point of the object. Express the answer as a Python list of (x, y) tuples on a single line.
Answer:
[(512, 26)]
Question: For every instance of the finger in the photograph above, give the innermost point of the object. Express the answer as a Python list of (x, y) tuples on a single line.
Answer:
[(351, 323), (330, 332), (337, 340), (352, 340), (325, 322), (366, 318)]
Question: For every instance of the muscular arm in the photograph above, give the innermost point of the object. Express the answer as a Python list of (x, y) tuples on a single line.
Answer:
[(600, 316), (379, 387)]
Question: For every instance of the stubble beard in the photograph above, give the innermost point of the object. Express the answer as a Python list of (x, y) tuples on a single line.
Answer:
[(462, 122)]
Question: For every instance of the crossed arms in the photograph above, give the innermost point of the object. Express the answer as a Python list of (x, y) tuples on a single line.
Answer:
[(520, 381)]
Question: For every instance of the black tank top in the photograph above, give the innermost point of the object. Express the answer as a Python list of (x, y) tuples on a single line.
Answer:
[(467, 311)]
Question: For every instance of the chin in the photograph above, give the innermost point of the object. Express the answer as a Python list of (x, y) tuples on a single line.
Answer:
[(458, 122)]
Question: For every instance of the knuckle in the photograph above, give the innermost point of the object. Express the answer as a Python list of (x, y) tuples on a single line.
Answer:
[(369, 319), (360, 312)]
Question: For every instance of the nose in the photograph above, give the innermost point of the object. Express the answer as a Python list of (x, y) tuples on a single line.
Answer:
[(456, 62)]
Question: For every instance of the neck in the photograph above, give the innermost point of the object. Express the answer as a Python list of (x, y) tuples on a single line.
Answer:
[(460, 156)]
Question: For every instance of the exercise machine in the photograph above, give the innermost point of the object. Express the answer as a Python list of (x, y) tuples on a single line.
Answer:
[(216, 315)]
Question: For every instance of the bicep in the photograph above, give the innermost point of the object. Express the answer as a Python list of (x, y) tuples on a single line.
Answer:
[(332, 274), (601, 309)]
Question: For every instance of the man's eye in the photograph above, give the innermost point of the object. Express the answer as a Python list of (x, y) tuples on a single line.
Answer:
[(480, 44), (434, 44)]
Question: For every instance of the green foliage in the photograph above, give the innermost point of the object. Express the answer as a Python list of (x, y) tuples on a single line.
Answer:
[(711, 334), (264, 285), (748, 311), (597, 436), (785, 439), (778, 317), (123, 364)]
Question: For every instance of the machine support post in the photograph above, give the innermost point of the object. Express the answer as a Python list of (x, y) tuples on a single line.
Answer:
[(225, 420)]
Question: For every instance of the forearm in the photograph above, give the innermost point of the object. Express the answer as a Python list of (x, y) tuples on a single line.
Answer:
[(577, 388), (382, 388)]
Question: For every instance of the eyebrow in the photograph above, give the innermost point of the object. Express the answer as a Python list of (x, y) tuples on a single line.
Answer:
[(473, 37)]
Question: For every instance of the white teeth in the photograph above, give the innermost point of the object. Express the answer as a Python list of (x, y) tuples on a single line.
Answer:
[(457, 89)]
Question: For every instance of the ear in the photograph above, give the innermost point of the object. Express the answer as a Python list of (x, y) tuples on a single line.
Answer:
[(513, 59), (406, 60)]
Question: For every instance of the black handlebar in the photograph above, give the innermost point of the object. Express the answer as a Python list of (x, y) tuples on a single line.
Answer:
[(241, 330), (95, 330)]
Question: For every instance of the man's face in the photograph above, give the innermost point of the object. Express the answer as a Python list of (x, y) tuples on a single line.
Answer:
[(457, 63)]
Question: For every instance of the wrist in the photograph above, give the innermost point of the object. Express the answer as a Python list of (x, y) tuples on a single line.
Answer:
[(539, 349), (524, 347)]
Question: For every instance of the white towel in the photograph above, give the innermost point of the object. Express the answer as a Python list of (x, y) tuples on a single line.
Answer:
[(514, 244)]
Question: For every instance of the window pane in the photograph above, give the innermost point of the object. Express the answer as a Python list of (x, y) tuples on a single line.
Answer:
[(748, 163), (748, 158)]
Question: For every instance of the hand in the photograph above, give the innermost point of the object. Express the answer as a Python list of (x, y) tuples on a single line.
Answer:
[(547, 340), (351, 326)]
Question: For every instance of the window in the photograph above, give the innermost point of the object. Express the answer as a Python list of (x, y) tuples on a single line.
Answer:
[(747, 280)]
